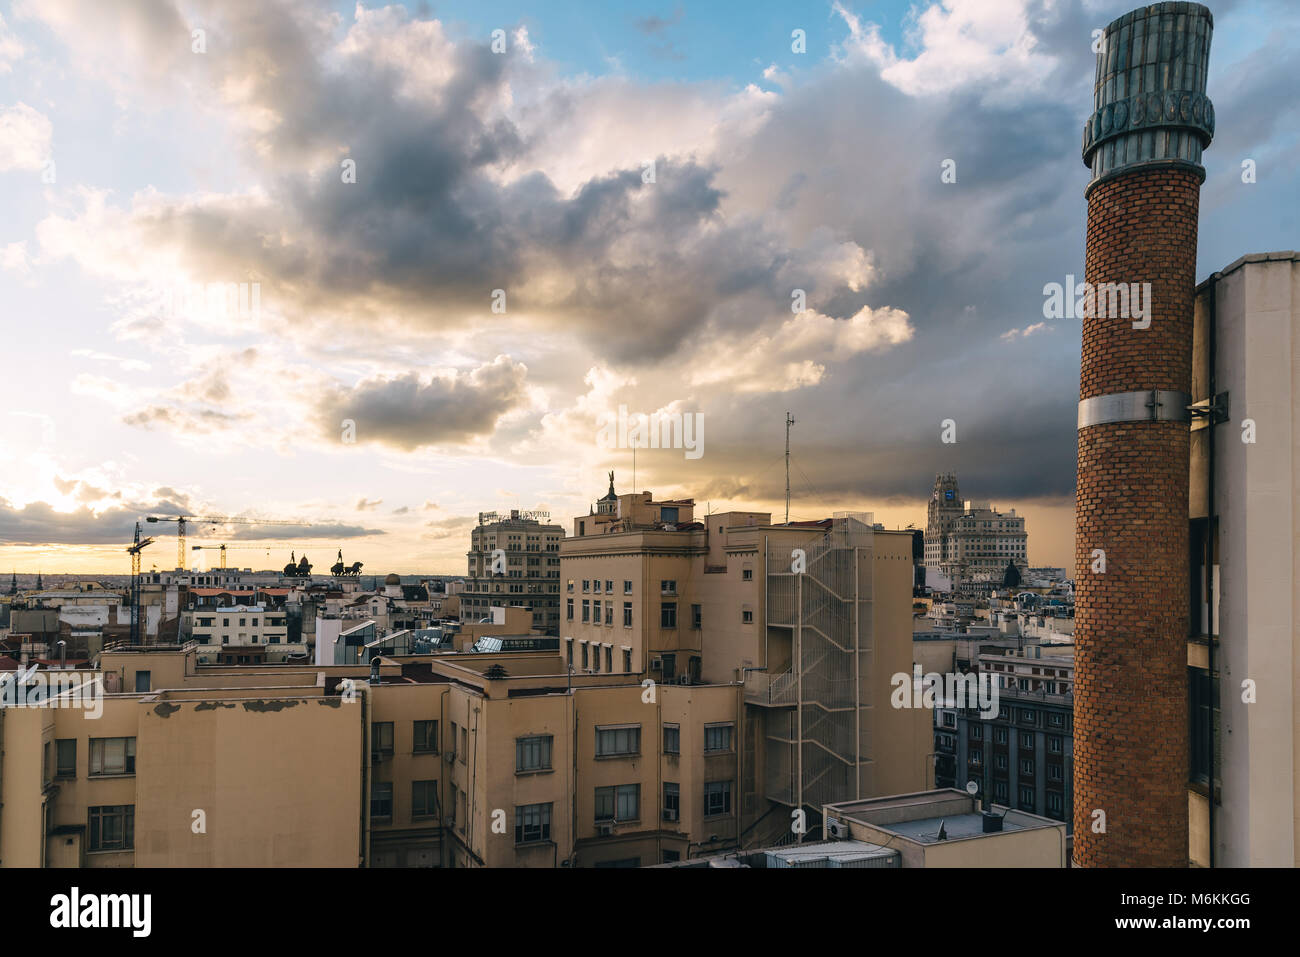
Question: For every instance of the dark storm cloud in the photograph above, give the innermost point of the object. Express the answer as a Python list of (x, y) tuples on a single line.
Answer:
[(408, 412), (38, 523)]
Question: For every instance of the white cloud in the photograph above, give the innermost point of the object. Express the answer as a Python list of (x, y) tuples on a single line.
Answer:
[(14, 258), (25, 138), (1011, 335), (961, 43), (11, 48)]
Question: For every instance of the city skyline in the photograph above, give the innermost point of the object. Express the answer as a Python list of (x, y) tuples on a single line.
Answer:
[(649, 202)]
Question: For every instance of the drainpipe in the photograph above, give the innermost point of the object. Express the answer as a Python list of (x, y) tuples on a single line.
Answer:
[(857, 677), (442, 777), (798, 663), (473, 786), (1211, 523)]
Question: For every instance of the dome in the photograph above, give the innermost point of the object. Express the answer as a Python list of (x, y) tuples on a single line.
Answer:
[(392, 579)]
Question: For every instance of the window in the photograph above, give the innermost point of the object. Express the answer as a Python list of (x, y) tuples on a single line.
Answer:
[(532, 823), (586, 609), (464, 744), (112, 756), (1000, 762), (976, 733), (1054, 805), (1055, 744), (668, 587), (381, 800), (668, 614), (949, 720), (381, 737), (1026, 741), (453, 804), (671, 857), (570, 588), (425, 736), (595, 612), (1203, 717), (747, 574), (627, 588), (1055, 772), (672, 801), (609, 613), (717, 737), (672, 739), (569, 651), (141, 681), (609, 587), (627, 614), (1026, 766), (976, 756), (627, 660), (697, 615), (1055, 719), (621, 803), (424, 799), (618, 740), (533, 753), (112, 827), (585, 666), (595, 586), (747, 617), (717, 798), (1027, 798), (586, 585), (1000, 791), (66, 759), (569, 610)]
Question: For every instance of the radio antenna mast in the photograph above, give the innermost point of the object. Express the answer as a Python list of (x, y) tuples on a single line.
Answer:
[(789, 421)]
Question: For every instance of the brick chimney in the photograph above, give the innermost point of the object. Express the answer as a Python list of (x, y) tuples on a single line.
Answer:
[(1150, 122)]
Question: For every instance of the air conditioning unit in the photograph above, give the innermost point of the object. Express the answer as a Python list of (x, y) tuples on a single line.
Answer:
[(837, 830), (656, 663), (604, 830)]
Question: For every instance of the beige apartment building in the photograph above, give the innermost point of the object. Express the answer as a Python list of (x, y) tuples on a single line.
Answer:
[(528, 573), (813, 619), (462, 760)]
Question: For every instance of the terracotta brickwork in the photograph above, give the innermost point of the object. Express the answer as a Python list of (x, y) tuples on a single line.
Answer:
[(1130, 699)]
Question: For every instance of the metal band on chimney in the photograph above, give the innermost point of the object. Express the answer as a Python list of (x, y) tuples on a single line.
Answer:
[(1153, 405)]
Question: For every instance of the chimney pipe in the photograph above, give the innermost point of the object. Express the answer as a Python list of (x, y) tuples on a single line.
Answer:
[(1151, 120)]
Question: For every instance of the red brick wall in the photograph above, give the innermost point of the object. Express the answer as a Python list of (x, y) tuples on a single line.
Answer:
[(1130, 700)]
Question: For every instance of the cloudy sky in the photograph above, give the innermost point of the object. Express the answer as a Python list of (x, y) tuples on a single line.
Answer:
[(475, 229)]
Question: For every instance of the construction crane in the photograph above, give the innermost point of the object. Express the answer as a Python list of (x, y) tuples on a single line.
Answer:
[(135, 548), (183, 521), (223, 548)]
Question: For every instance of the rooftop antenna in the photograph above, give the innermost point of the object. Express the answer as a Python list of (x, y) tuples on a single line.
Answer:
[(789, 421)]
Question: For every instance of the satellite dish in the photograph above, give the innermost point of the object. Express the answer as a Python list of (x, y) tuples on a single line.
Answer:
[(972, 788)]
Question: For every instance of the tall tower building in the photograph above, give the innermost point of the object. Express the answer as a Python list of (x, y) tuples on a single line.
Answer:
[(1150, 122)]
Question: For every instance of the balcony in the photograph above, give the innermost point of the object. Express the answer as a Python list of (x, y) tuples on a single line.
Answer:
[(774, 691)]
